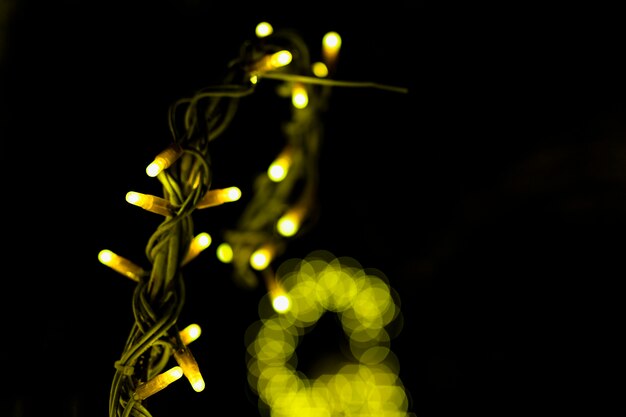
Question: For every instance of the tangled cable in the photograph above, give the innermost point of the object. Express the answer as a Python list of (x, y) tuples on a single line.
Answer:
[(282, 206)]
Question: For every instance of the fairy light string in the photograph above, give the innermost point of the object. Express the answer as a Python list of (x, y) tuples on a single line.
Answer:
[(157, 352)]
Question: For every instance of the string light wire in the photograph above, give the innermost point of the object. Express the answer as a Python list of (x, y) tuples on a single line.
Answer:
[(154, 354)]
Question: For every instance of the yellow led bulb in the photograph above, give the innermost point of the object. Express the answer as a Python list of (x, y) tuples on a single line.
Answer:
[(289, 224), (219, 196), (263, 256), (164, 159), (263, 29), (150, 203), (121, 265), (299, 96), (190, 333), (271, 62), (199, 243), (190, 368), (279, 168), (224, 253), (157, 383), (331, 44)]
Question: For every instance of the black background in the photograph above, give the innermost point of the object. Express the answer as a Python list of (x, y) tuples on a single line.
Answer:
[(492, 196)]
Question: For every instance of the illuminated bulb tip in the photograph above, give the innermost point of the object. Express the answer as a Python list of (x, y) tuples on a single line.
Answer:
[(203, 240), (299, 97), (164, 159), (150, 203), (224, 253), (198, 385), (105, 256), (219, 196), (154, 169), (277, 172), (260, 259), (121, 265), (281, 303), (190, 333), (263, 29), (332, 41), (233, 194), (133, 197), (199, 243), (320, 69), (287, 227), (280, 59), (158, 383)]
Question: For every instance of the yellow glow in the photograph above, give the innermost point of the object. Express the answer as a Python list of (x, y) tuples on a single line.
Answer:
[(271, 62), (279, 168), (281, 58), (261, 258), (150, 203), (280, 303), (263, 29), (254, 79), (190, 333), (277, 172), (164, 159), (299, 96), (289, 224), (121, 265), (369, 388), (224, 253), (199, 243), (190, 368), (320, 69), (331, 43), (158, 383), (219, 196)]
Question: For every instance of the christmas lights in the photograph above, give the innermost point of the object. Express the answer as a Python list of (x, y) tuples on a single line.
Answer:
[(164, 159), (367, 382), (151, 203), (121, 265), (199, 243), (283, 201), (156, 384)]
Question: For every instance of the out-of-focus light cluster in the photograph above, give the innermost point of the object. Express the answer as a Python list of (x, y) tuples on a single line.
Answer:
[(367, 382)]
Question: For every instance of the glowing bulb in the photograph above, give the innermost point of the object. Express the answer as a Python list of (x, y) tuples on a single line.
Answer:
[(320, 69), (219, 196), (150, 203), (224, 253), (331, 43), (164, 159), (280, 59), (262, 257), (197, 245), (121, 265), (190, 368), (157, 383), (281, 303), (287, 226), (190, 333), (271, 62), (299, 96), (263, 29), (279, 168)]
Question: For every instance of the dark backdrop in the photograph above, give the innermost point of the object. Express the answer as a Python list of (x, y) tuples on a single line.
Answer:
[(492, 196)]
